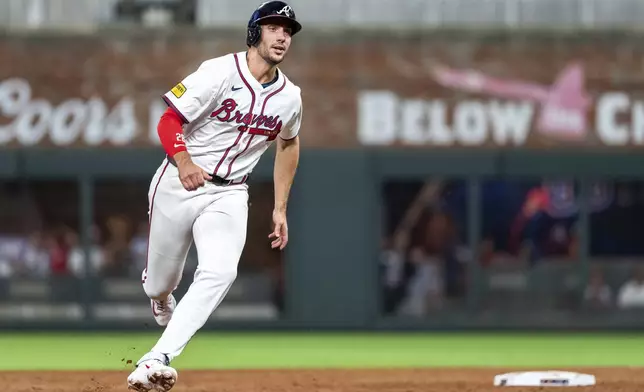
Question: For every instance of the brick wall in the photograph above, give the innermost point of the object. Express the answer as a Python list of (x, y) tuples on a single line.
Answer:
[(332, 70)]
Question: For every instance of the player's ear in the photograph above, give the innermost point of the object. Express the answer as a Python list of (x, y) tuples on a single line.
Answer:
[(261, 36)]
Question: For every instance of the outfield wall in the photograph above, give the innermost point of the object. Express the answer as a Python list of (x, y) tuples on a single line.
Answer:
[(451, 179), (332, 276)]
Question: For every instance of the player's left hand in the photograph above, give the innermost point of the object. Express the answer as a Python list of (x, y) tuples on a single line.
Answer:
[(280, 231)]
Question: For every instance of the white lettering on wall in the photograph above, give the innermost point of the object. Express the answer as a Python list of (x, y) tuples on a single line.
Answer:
[(67, 122), (383, 118), (377, 116), (31, 119), (609, 107), (511, 122)]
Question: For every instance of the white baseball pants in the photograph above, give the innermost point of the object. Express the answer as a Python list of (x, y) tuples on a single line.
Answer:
[(216, 218)]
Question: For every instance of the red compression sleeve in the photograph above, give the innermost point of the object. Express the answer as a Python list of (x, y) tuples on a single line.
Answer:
[(171, 132)]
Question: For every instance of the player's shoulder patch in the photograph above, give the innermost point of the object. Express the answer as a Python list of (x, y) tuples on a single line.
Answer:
[(179, 90)]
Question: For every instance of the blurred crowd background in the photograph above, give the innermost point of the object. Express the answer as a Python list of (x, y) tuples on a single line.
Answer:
[(426, 253), (461, 245), (42, 257), (41, 224)]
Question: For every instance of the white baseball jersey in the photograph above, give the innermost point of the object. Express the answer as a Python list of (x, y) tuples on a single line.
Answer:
[(231, 118)]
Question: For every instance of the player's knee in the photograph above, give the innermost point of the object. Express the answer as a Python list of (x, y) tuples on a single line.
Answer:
[(156, 292)]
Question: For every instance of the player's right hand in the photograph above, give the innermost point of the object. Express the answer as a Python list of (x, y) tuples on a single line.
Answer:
[(190, 175)]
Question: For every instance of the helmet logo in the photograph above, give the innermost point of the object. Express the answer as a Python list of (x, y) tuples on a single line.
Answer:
[(287, 10)]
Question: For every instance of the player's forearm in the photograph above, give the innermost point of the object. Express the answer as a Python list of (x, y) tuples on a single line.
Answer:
[(286, 161)]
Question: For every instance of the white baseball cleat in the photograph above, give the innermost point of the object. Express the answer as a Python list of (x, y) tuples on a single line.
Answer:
[(152, 375), (162, 310)]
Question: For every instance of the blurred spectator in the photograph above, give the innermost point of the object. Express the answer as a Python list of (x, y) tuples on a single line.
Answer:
[(425, 290), (34, 258), (439, 261), (58, 251), (598, 294), (396, 272), (544, 226), (397, 269), (77, 259), (631, 294), (393, 264), (422, 262), (11, 247), (118, 259), (441, 241)]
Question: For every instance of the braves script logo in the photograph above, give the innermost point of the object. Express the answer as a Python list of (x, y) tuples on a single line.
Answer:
[(564, 104), (256, 124)]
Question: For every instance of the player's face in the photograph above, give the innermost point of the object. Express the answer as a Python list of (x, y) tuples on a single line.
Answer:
[(276, 39)]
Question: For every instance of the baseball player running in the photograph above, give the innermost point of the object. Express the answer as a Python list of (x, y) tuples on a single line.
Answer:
[(220, 120)]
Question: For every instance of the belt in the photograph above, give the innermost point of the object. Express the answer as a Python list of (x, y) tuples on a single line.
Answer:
[(215, 178)]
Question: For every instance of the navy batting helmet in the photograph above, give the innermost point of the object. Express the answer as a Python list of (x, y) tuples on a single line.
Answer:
[(270, 10)]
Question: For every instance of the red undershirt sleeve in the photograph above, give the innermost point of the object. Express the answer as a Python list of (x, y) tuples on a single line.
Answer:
[(170, 130)]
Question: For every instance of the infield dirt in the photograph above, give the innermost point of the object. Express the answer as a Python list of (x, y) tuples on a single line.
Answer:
[(389, 380)]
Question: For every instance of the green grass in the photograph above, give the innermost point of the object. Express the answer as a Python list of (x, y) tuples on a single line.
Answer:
[(280, 350)]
